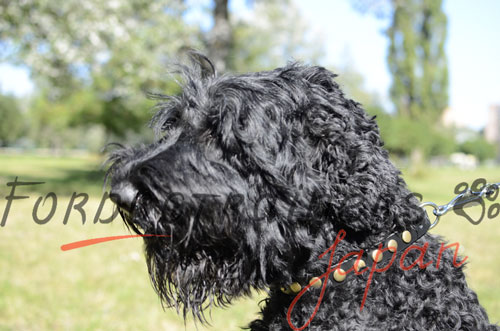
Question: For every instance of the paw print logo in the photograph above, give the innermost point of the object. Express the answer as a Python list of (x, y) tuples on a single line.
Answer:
[(494, 209), (471, 198)]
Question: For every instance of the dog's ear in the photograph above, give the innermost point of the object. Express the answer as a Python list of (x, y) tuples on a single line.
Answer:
[(199, 61), (321, 76), (207, 68)]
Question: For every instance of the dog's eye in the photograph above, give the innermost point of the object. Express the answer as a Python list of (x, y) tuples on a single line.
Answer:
[(243, 121), (271, 114), (162, 139), (168, 124)]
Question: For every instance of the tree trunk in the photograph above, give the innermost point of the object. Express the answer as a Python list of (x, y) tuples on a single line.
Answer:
[(220, 38), (417, 162)]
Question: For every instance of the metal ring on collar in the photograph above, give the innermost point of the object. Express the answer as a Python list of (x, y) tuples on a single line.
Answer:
[(435, 211)]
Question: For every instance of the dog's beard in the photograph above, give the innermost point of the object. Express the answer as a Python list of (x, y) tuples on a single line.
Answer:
[(193, 283), (191, 270)]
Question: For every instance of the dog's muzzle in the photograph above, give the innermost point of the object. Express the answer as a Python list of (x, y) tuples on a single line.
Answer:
[(124, 195)]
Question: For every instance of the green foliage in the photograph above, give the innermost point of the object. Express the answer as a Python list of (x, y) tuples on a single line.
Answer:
[(352, 84), (266, 39), (63, 41), (402, 136), (93, 61), (50, 119), (478, 147), (86, 119), (12, 121), (417, 59), (418, 65)]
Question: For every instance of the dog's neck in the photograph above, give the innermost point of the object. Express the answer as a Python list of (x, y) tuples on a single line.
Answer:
[(357, 262)]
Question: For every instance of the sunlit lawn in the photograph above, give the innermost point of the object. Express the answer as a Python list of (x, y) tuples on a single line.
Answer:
[(106, 286)]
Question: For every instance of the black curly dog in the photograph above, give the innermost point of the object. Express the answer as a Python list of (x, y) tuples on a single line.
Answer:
[(265, 181)]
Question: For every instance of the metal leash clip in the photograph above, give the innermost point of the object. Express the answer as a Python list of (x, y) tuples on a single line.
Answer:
[(460, 201)]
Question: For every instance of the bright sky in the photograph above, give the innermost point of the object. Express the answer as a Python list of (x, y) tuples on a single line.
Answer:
[(473, 50)]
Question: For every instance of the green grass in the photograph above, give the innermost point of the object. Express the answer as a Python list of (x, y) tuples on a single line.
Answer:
[(106, 286), (480, 243), (63, 175)]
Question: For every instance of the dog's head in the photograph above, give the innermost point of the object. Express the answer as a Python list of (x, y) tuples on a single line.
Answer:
[(251, 177)]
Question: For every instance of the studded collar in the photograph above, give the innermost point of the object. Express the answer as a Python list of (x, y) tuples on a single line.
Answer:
[(359, 261)]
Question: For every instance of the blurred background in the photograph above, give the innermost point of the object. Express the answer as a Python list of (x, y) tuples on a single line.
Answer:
[(74, 76)]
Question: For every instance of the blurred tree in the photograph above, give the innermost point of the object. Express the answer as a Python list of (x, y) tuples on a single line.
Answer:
[(111, 49), (219, 41), (12, 123), (90, 59), (64, 41), (50, 119), (353, 84), (402, 134), (479, 147), (418, 65), (265, 39), (417, 59)]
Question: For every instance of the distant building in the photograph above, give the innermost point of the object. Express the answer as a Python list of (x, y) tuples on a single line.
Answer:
[(455, 117), (450, 118), (492, 130)]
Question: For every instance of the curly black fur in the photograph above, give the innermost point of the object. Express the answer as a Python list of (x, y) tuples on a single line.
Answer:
[(252, 176)]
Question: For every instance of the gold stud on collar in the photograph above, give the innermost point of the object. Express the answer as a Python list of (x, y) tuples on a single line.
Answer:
[(339, 275), (360, 264), (406, 236), (295, 287), (392, 245), (285, 289), (315, 282), (377, 255)]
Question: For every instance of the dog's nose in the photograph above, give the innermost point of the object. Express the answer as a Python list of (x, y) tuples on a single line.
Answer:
[(123, 195)]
